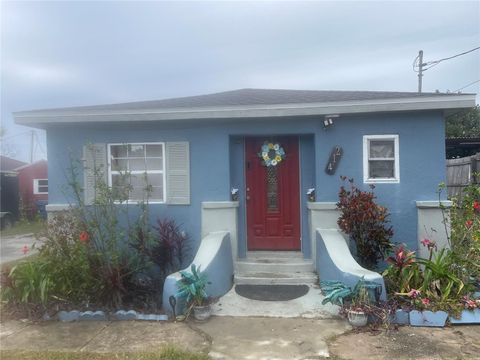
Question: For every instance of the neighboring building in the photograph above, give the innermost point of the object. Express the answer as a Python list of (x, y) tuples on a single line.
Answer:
[(196, 149), (33, 187), (9, 206), (459, 147)]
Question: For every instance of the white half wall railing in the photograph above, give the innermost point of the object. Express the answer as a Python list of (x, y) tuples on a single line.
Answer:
[(214, 258), (433, 222)]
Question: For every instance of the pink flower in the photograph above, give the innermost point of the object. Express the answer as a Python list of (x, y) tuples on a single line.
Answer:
[(84, 237), (413, 293), (426, 301), (25, 249), (469, 223), (429, 244), (476, 206)]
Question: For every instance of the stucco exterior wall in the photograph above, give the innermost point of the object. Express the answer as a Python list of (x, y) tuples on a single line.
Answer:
[(216, 161)]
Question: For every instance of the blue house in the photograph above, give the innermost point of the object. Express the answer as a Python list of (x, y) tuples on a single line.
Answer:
[(237, 169)]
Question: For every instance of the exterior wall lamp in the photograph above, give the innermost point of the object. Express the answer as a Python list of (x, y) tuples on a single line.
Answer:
[(328, 121)]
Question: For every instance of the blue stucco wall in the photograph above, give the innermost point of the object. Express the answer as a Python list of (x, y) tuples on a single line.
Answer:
[(216, 151)]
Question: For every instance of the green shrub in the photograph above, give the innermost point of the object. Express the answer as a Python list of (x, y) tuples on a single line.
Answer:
[(29, 282)]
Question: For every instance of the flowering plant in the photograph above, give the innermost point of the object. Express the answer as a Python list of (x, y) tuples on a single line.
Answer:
[(311, 194), (470, 304), (366, 222), (234, 193), (271, 154)]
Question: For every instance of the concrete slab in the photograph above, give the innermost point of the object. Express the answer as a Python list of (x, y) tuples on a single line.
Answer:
[(270, 338), (129, 336), (308, 306), (53, 336), (11, 327)]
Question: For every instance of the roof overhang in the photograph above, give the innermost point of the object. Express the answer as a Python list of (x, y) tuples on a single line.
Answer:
[(44, 118)]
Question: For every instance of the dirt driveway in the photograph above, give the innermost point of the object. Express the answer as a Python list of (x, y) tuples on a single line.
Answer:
[(459, 342)]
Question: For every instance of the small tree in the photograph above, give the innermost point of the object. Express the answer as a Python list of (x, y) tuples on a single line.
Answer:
[(366, 222)]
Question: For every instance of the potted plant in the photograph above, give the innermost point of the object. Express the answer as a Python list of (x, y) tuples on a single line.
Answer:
[(358, 309), (356, 303), (191, 287)]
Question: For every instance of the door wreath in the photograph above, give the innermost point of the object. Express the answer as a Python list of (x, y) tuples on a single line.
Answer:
[(271, 154)]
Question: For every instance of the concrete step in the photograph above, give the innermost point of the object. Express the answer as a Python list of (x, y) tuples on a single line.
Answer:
[(274, 255), (270, 265), (275, 278)]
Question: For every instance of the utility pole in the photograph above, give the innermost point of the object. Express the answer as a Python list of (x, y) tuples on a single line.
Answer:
[(420, 70), (31, 145)]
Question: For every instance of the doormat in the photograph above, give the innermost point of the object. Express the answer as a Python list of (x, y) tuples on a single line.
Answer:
[(271, 292)]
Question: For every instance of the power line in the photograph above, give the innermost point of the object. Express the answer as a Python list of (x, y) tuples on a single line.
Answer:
[(451, 57), (430, 64), (473, 82)]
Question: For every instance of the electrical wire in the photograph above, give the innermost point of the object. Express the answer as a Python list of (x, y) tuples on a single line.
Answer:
[(430, 64), (463, 87)]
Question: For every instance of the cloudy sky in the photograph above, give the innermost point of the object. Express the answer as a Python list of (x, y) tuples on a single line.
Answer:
[(60, 54)]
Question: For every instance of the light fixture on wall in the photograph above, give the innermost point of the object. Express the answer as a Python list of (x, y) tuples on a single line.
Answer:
[(328, 121)]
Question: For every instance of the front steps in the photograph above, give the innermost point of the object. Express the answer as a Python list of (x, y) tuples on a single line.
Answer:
[(274, 268)]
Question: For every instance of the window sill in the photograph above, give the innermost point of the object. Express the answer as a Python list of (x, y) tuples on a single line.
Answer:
[(381, 181)]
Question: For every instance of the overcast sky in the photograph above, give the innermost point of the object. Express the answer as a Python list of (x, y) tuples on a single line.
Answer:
[(60, 54)]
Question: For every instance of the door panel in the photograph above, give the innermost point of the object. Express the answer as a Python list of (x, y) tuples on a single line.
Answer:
[(273, 210)]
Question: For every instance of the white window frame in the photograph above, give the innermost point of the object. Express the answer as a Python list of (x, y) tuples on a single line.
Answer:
[(36, 190), (366, 156), (163, 172)]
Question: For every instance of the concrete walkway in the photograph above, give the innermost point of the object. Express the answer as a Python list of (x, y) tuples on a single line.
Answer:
[(11, 247), (307, 306), (220, 337)]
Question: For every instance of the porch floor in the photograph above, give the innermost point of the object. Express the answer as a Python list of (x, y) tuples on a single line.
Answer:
[(307, 306)]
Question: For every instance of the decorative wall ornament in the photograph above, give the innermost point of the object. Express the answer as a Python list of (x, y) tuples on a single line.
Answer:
[(333, 160), (271, 154)]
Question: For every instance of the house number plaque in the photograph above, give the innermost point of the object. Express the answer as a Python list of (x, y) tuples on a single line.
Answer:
[(333, 160)]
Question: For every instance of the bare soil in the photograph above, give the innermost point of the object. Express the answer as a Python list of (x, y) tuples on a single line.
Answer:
[(459, 342)]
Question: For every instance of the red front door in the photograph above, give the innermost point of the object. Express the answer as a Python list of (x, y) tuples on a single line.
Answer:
[(273, 209)]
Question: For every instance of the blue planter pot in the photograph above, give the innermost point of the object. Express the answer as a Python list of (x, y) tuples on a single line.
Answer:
[(428, 318), (401, 317), (467, 317)]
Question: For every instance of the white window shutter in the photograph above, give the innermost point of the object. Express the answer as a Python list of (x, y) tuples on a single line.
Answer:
[(178, 173), (94, 170)]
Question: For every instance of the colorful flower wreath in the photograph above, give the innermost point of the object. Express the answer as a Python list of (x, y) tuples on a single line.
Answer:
[(272, 154)]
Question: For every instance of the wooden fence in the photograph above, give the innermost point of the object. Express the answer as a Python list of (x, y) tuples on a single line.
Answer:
[(461, 172)]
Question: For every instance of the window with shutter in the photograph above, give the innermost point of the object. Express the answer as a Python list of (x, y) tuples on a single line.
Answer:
[(178, 173), (159, 172), (381, 159)]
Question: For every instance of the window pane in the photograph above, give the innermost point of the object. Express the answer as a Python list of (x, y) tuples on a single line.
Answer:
[(155, 164), (119, 164), (136, 151), (381, 169), (137, 193), (136, 164), (155, 179), (138, 180), (42, 182), (118, 151), (43, 189), (157, 193), (154, 151), (382, 149)]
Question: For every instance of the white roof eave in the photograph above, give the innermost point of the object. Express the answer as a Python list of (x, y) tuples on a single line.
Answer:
[(65, 116)]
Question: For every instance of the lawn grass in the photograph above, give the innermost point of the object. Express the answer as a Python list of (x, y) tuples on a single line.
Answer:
[(24, 227), (168, 353)]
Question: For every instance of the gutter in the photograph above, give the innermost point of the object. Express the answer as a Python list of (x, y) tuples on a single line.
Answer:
[(89, 114)]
